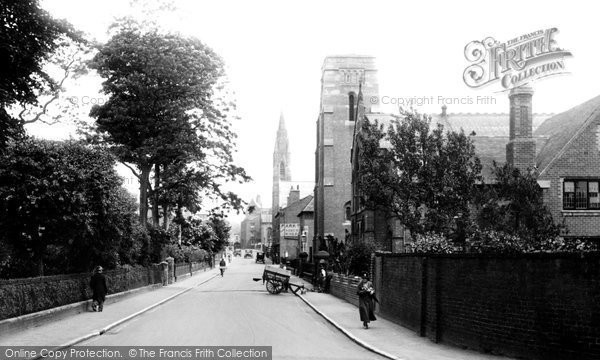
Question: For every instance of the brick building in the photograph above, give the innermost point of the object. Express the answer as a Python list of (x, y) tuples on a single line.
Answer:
[(293, 219), (256, 227), (340, 80), (563, 149)]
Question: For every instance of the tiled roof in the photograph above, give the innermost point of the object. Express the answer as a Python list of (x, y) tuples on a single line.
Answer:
[(493, 148), (560, 129), (310, 207), (483, 124)]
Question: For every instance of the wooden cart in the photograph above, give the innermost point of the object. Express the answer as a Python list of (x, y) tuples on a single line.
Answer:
[(278, 280)]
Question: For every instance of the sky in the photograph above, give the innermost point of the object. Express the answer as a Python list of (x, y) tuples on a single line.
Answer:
[(274, 51)]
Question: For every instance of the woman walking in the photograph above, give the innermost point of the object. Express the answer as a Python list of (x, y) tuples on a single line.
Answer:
[(366, 300)]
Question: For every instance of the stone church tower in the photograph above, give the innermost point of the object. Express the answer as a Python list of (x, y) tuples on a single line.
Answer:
[(281, 164), (341, 76)]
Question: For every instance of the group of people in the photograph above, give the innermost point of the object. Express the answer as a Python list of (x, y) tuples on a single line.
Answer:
[(365, 291)]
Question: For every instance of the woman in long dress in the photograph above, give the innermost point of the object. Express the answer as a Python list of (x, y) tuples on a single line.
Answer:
[(366, 300)]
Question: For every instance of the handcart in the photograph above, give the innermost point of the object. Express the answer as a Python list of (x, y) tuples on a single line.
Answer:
[(278, 280)]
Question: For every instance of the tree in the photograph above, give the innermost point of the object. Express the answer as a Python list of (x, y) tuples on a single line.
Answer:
[(62, 208), (222, 229), (162, 117), (427, 177), (28, 37), (514, 204)]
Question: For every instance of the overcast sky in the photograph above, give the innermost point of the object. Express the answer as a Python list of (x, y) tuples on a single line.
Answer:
[(274, 51)]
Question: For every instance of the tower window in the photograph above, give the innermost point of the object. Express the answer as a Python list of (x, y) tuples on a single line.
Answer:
[(281, 170), (351, 98)]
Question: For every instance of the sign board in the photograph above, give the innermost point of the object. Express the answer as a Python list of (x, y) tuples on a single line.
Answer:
[(289, 230)]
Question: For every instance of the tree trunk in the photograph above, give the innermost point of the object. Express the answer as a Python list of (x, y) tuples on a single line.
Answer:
[(165, 217), (155, 213), (144, 179)]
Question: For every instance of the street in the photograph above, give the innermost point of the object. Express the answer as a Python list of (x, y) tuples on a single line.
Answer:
[(234, 310)]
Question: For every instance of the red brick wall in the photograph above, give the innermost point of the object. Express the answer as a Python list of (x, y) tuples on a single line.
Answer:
[(539, 306)]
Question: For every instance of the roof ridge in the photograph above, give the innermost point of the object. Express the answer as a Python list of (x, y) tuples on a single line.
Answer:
[(493, 113)]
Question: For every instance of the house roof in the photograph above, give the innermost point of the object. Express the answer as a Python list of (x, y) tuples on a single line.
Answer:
[(561, 129), (483, 124), (310, 207)]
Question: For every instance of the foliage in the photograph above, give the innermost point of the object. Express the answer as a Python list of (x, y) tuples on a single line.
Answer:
[(162, 116), (497, 242), (427, 177), (62, 209), (28, 36), (432, 243), (185, 253), (358, 256), (221, 229), (515, 204)]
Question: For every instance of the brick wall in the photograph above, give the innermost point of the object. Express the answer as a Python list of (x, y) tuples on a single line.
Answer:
[(539, 306)]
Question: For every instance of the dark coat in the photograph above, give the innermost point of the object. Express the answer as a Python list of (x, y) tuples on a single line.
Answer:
[(366, 301), (99, 288)]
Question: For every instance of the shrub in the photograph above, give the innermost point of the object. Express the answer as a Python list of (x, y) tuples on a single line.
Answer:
[(358, 256), (490, 241), (432, 243)]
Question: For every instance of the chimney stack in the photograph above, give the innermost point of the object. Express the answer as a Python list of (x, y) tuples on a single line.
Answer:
[(520, 150), (294, 195)]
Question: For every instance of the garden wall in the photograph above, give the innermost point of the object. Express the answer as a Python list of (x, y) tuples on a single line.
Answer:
[(540, 306)]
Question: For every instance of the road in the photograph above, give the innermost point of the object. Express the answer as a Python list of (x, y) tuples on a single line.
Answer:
[(236, 311)]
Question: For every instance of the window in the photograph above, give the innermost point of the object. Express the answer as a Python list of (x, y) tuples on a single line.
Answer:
[(282, 170), (581, 195), (351, 106), (348, 212)]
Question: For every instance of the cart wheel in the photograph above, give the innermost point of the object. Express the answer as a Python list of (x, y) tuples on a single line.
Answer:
[(274, 286)]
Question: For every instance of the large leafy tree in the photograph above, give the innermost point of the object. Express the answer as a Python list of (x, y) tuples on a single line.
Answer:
[(28, 37), (163, 120), (62, 209), (426, 176)]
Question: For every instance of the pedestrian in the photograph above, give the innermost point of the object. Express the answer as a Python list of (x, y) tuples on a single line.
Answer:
[(222, 266), (366, 300), (322, 278), (99, 289)]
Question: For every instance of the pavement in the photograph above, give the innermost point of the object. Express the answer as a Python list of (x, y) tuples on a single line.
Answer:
[(383, 337)]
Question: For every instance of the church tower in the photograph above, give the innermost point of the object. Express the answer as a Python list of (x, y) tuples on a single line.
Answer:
[(342, 76), (281, 164)]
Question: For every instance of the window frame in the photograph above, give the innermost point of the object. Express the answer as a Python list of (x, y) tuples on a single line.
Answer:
[(574, 206)]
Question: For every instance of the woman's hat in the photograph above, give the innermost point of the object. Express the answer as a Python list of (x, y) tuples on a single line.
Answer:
[(99, 268)]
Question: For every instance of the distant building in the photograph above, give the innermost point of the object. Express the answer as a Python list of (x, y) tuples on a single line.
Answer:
[(340, 80), (256, 226), (282, 183), (294, 220)]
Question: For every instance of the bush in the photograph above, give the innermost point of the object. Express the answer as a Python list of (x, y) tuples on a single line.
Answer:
[(358, 256), (432, 243), (490, 241)]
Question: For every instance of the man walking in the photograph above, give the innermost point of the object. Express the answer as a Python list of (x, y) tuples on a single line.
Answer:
[(99, 289)]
